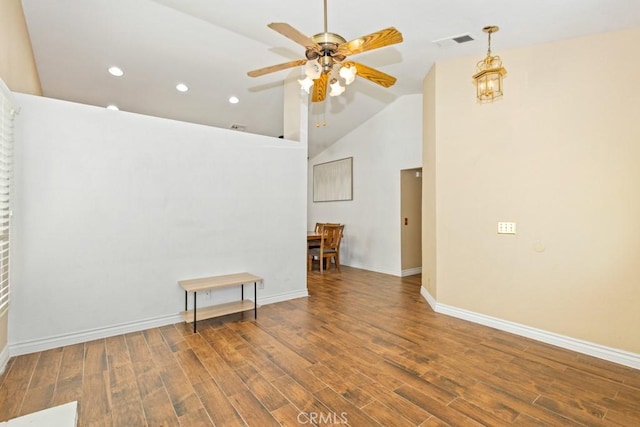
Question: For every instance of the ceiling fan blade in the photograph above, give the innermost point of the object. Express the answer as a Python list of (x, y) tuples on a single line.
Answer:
[(374, 75), (376, 40), (278, 67), (291, 33), (320, 88)]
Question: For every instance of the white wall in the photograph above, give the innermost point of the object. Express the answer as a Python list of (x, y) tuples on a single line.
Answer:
[(113, 208), (381, 148)]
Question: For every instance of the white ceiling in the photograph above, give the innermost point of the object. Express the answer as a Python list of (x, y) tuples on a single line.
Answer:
[(211, 44)]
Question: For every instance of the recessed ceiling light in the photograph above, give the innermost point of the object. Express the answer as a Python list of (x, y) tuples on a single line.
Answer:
[(181, 87), (116, 71), (234, 100), (113, 107)]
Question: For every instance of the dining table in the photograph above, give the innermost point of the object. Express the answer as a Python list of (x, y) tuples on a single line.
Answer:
[(314, 238), (313, 235)]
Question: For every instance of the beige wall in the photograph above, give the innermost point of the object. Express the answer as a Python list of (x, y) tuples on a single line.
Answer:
[(17, 65), (558, 155), (411, 209), (429, 243)]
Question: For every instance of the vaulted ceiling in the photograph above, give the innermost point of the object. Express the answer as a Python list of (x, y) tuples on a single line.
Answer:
[(211, 44)]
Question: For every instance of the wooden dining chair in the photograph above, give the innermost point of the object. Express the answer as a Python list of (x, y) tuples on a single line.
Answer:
[(331, 235), (316, 243)]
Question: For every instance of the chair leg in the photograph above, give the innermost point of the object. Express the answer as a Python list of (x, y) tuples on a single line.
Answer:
[(336, 259)]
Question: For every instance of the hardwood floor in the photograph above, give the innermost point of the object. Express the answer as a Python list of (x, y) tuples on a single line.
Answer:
[(363, 349)]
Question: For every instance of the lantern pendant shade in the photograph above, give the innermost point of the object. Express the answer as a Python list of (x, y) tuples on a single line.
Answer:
[(490, 73)]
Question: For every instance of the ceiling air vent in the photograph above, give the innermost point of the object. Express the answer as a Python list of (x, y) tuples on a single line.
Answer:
[(238, 127), (454, 40)]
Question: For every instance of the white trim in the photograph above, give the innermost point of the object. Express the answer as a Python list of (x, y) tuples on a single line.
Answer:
[(371, 268), (17, 349), (283, 297), (42, 344), (4, 89), (4, 359), (621, 357), (411, 271), (427, 296)]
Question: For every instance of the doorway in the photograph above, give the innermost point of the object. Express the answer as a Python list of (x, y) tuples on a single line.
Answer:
[(411, 221)]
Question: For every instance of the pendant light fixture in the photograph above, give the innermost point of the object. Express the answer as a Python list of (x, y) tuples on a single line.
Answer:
[(490, 72)]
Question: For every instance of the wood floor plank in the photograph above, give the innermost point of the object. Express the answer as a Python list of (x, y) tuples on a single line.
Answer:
[(217, 405), (343, 409), (502, 403), (261, 362), (42, 386), (349, 385), (289, 415), (301, 397), (158, 409), (69, 383), (123, 385), (434, 407), (251, 410), (96, 397), (385, 415), (482, 416), (157, 406), (7, 368), (397, 405), (583, 412), (268, 395), (364, 346), (129, 413), (138, 349), (117, 351), (16, 384)]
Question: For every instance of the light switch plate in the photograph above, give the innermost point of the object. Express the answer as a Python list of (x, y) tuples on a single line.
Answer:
[(506, 228)]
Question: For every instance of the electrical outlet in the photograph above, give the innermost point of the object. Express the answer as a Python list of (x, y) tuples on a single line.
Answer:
[(506, 228), (261, 285)]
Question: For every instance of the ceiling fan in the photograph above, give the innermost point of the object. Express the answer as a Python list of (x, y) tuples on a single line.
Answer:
[(326, 55)]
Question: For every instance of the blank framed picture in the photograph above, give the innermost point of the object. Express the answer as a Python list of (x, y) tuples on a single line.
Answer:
[(333, 181)]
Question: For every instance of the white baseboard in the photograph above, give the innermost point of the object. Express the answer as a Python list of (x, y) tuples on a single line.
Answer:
[(411, 271), (284, 297), (621, 357), (43, 344), (4, 359), (371, 268)]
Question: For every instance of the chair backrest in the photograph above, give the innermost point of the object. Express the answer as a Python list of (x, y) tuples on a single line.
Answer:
[(331, 236), (319, 225)]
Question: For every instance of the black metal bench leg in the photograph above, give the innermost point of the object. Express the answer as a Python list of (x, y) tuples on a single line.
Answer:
[(194, 311)]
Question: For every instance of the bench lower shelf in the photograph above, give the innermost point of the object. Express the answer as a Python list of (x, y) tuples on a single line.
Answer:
[(219, 310)]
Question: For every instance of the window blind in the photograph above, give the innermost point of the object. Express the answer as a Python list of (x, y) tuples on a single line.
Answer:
[(8, 111)]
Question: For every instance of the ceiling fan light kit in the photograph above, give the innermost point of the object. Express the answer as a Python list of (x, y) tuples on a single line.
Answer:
[(490, 72), (325, 54)]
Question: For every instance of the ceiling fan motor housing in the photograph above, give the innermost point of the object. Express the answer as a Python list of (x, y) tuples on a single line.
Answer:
[(328, 43)]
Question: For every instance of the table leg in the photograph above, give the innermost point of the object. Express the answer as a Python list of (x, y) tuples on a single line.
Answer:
[(185, 300), (255, 300), (194, 311)]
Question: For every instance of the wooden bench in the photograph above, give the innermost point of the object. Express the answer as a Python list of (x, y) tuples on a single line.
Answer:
[(218, 282)]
